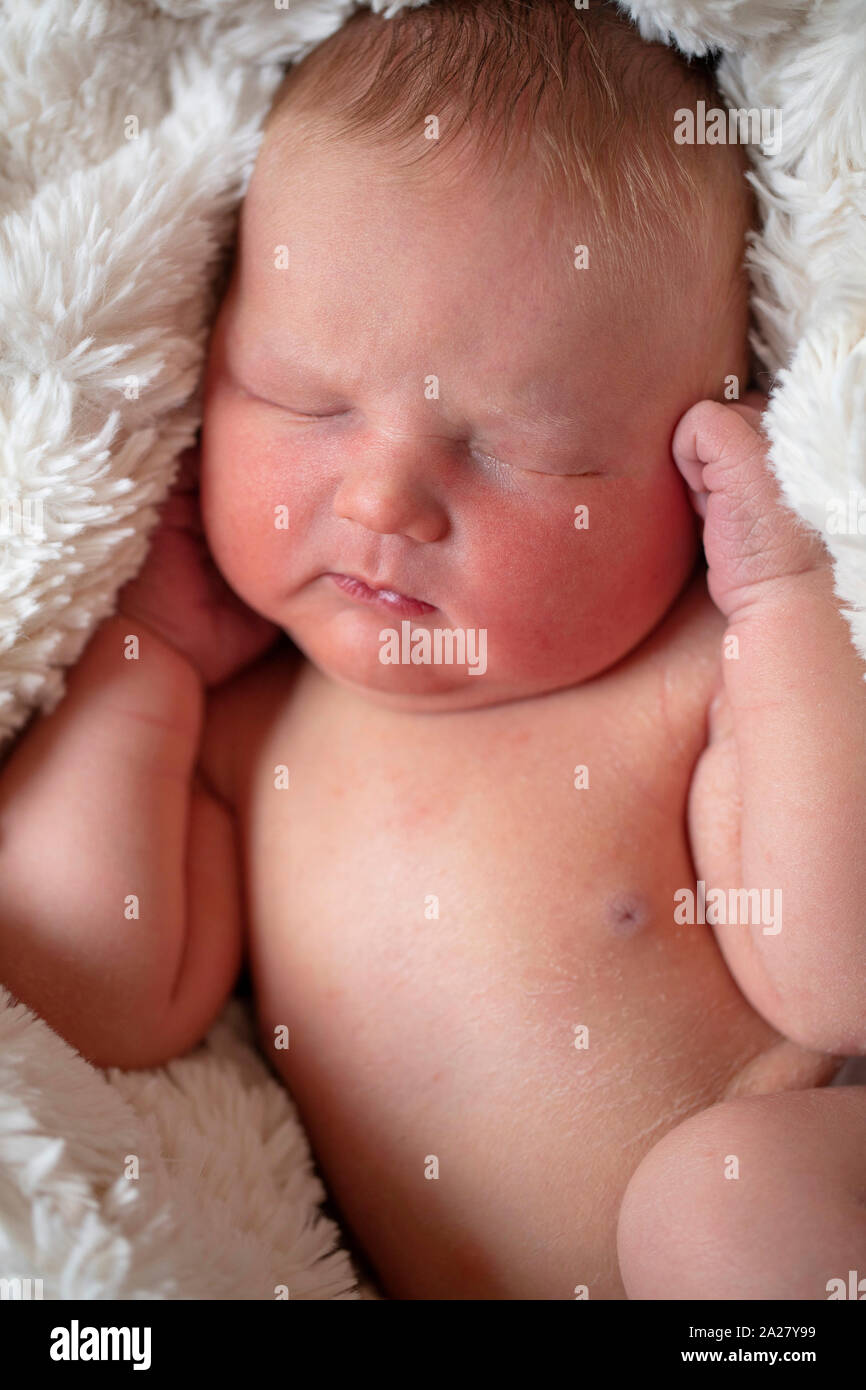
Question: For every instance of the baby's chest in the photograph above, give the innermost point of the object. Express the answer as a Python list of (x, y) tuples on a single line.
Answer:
[(462, 931), (524, 843)]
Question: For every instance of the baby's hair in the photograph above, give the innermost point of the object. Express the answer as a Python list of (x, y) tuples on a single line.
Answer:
[(573, 98)]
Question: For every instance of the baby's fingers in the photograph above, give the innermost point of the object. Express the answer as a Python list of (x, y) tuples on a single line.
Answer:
[(726, 439), (751, 538)]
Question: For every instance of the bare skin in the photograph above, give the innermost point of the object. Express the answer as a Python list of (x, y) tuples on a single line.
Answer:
[(455, 1036), (417, 1037)]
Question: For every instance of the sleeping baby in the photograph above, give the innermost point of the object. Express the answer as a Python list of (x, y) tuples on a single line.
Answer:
[(480, 693)]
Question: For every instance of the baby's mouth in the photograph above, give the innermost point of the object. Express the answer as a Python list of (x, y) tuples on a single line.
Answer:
[(395, 602)]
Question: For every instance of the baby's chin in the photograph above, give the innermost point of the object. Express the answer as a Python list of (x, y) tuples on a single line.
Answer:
[(403, 664), (418, 667), (438, 661)]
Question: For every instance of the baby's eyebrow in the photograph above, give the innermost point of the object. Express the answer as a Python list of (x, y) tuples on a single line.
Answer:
[(266, 356), (296, 355), (539, 420)]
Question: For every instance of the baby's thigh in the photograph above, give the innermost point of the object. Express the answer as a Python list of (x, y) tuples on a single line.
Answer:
[(756, 1198)]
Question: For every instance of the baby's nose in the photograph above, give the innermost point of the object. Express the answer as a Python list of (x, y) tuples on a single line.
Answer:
[(392, 500)]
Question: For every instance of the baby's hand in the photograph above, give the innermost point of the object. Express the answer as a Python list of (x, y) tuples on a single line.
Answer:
[(753, 543), (793, 697), (180, 594)]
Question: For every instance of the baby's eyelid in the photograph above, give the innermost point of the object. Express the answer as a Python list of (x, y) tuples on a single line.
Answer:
[(296, 410), (286, 408), (482, 453), (548, 472), (313, 414)]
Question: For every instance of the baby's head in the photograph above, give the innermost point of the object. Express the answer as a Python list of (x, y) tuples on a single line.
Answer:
[(420, 382)]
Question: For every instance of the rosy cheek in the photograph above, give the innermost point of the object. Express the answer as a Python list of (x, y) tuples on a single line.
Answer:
[(231, 505)]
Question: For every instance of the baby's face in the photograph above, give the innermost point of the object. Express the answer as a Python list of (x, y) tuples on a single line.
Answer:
[(407, 390)]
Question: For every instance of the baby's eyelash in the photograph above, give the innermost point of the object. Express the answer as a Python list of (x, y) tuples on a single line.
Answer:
[(497, 463), (537, 472), (313, 415), (488, 458), (292, 410)]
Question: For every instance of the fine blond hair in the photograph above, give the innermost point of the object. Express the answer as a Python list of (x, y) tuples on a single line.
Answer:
[(573, 100)]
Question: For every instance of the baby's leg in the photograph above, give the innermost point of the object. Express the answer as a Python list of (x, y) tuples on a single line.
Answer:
[(756, 1198)]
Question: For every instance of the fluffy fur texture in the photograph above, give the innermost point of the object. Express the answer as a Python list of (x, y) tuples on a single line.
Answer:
[(806, 59), (193, 1182), (111, 240)]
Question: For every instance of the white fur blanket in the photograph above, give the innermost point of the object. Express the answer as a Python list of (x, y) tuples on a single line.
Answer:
[(128, 131)]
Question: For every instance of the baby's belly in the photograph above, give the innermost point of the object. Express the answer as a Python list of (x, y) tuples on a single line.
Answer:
[(492, 1015), (480, 1087)]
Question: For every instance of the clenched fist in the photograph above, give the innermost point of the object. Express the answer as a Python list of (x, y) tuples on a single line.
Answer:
[(754, 544)]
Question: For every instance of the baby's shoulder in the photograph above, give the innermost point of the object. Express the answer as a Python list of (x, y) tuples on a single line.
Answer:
[(239, 709), (691, 631), (679, 664), (658, 695), (677, 661)]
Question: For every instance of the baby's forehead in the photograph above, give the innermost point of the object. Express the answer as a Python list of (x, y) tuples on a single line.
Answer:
[(576, 102), (330, 204), (518, 398), (533, 242), (687, 257)]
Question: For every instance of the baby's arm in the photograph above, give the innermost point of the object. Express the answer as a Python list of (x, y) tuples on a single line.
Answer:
[(120, 898), (120, 916), (788, 747)]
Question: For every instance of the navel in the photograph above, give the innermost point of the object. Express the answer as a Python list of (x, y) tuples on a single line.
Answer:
[(627, 913)]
